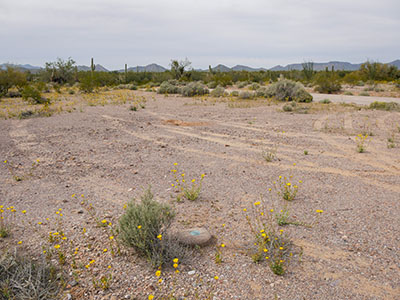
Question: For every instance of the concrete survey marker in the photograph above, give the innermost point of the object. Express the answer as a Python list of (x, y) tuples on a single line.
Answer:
[(194, 236)]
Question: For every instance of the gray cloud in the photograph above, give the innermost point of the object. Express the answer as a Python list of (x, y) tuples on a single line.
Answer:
[(253, 32)]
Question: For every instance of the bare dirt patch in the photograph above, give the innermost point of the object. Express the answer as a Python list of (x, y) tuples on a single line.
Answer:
[(108, 154)]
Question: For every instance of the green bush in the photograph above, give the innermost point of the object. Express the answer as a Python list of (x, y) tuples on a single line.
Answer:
[(33, 94), (327, 83), (212, 84), (22, 278), (87, 82), (194, 89), (10, 78), (235, 94), (287, 108), (168, 88), (388, 106), (144, 227), (364, 94), (325, 101), (218, 92), (262, 92), (288, 90), (254, 86)]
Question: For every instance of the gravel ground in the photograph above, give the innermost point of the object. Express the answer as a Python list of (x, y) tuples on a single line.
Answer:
[(110, 154)]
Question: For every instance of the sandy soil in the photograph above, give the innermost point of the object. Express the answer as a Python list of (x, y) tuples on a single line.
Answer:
[(109, 154)]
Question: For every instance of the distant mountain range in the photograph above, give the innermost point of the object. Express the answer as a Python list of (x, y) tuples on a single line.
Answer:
[(338, 65)]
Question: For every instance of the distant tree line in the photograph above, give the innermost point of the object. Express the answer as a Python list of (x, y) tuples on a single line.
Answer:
[(65, 72)]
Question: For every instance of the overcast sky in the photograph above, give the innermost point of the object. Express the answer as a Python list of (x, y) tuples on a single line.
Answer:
[(258, 33)]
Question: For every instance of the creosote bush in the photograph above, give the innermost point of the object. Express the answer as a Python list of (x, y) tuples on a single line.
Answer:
[(144, 227), (288, 90), (33, 94)]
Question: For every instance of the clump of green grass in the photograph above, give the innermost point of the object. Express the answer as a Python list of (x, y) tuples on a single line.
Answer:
[(325, 101)]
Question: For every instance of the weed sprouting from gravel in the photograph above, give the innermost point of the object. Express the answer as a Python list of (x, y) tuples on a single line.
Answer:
[(190, 191), (269, 155), (285, 187), (271, 243), (361, 142)]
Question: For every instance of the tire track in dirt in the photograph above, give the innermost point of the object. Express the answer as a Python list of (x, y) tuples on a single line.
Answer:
[(350, 280), (371, 159), (24, 141), (310, 168), (320, 122)]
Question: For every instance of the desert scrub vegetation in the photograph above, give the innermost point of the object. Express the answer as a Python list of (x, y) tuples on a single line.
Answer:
[(24, 278), (144, 227), (246, 95), (327, 82), (387, 106), (194, 89), (168, 87), (33, 94), (219, 91), (184, 189), (288, 90)]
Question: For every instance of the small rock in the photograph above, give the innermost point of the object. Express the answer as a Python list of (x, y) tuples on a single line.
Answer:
[(72, 283), (68, 297), (194, 236), (192, 272)]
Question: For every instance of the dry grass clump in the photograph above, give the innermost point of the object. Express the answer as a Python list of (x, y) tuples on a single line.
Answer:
[(24, 278)]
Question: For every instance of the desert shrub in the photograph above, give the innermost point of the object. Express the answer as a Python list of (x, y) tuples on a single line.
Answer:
[(388, 106), (87, 82), (194, 89), (218, 92), (23, 278), (288, 90), (144, 227), (33, 94), (212, 84), (14, 94), (10, 78), (168, 88), (327, 83), (235, 94), (325, 101), (348, 93), (261, 92), (364, 94), (246, 95), (254, 86), (242, 84), (287, 108)]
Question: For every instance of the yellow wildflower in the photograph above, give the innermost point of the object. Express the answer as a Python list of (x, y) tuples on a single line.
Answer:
[(158, 273), (57, 246)]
